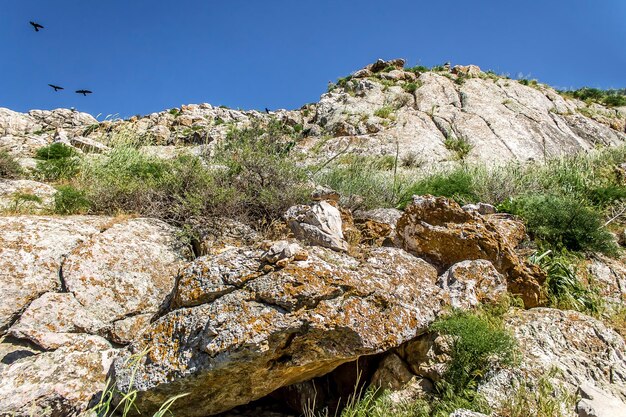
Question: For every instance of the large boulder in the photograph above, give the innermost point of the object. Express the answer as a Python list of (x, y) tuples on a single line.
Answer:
[(54, 383), (32, 250), (238, 332), (126, 271), (440, 231), (75, 288)]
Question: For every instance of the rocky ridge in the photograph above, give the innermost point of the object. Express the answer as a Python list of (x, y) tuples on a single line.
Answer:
[(383, 107)]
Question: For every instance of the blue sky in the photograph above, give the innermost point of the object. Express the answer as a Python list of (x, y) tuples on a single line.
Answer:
[(141, 56)]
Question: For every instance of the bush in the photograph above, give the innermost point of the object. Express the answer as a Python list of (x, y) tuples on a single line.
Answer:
[(266, 180), (69, 200), (479, 344), (457, 184), (56, 162), (9, 167), (563, 287), (384, 112), (410, 87), (563, 222), (460, 146)]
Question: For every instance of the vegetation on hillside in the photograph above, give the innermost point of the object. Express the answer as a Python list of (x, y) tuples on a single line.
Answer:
[(610, 98)]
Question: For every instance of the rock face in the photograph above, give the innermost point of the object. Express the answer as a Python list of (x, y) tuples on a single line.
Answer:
[(597, 403), (472, 282), (502, 119), (580, 348), (32, 250), (31, 196), (439, 230), (238, 333), (74, 288)]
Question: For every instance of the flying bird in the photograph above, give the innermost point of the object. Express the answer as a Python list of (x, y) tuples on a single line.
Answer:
[(267, 110), (56, 87), (37, 26), (84, 92)]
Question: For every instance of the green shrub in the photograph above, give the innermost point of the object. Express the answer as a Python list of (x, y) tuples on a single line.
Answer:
[(479, 343), (9, 167), (69, 200), (563, 287), (460, 146), (418, 69), (57, 162), (363, 184), (563, 222), (457, 184), (614, 100), (266, 179), (410, 87), (384, 112)]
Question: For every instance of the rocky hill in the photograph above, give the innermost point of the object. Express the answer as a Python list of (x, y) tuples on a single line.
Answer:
[(195, 259)]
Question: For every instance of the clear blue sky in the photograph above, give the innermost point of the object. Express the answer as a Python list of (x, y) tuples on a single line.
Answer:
[(140, 56)]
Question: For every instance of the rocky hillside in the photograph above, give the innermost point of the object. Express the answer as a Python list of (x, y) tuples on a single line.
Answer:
[(196, 261), (379, 110)]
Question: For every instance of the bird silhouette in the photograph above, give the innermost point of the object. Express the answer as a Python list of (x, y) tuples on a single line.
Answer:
[(84, 92), (267, 110), (37, 26), (56, 87)]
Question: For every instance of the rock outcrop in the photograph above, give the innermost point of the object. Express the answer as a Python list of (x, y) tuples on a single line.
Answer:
[(581, 349), (238, 333), (439, 230), (74, 289)]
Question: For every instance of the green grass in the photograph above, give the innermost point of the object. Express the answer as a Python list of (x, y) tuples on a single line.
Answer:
[(384, 112), (56, 162), (457, 184), (461, 147), (564, 289), (480, 343)]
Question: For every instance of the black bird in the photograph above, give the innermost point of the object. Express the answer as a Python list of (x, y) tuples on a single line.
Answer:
[(56, 87), (84, 92), (37, 26), (267, 110)]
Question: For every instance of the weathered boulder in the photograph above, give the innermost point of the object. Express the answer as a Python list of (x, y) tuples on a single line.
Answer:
[(439, 230), (32, 250), (282, 252), (472, 282), (54, 383), (25, 196), (318, 224), (608, 276), (378, 226), (466, 70), (238, 333), (595, 402), (126, 270), (54, 320)]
